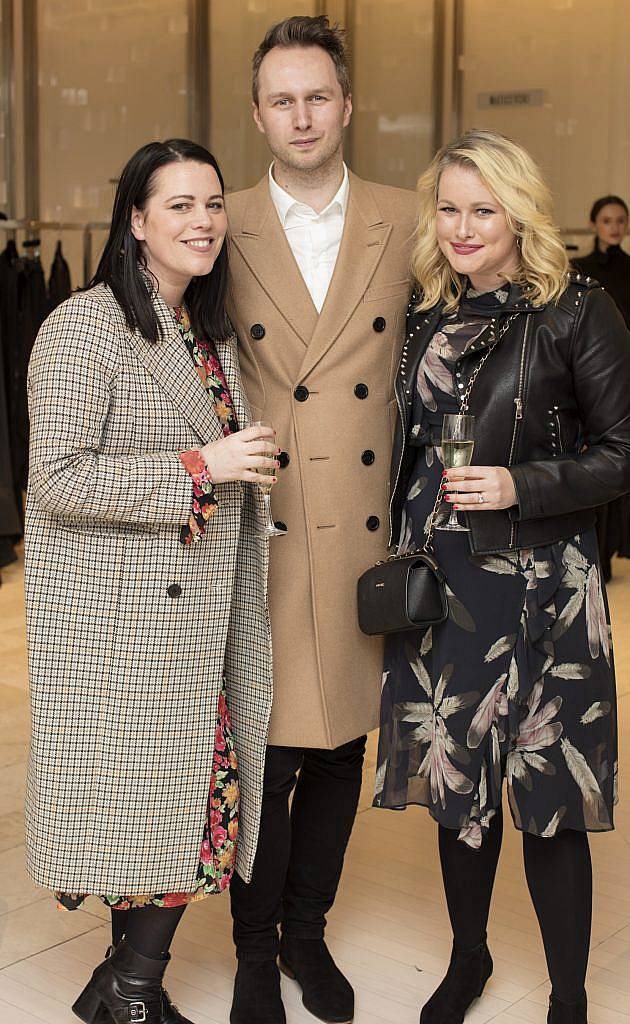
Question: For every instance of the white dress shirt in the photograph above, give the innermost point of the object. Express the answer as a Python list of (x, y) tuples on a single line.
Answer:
[(314, 237)]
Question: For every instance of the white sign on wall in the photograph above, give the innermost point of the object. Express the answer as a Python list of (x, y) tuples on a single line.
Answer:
[(514, 98)]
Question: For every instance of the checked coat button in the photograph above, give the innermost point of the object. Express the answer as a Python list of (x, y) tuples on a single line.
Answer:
[(174, 590)]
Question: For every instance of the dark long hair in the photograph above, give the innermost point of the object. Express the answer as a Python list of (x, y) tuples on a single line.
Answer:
[(599, 205), (123, 261)]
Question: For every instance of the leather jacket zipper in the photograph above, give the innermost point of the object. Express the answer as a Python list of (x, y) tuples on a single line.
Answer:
[(403, 421), (518, 413)]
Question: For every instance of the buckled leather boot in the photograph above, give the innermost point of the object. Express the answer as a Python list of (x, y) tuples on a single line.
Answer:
[(566, 1013), (127, 986), (464, 982), (326, 993), (170, 1013), (257, 998)]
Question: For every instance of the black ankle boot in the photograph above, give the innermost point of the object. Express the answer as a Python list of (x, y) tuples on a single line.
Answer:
[(257, 998), (170, 1013), (566, 1013), (325, 992), (465, 980), (127, 985)]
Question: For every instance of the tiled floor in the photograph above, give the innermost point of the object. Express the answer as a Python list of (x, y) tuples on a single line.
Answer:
[(388, 930)]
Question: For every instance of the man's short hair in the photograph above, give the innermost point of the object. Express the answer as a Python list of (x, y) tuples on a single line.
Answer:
[(303, 31)]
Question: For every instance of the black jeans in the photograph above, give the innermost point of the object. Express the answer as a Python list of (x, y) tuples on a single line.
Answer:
[(300, 854)]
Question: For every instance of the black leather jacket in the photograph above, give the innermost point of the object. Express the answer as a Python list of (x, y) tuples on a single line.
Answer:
[(552, 403)]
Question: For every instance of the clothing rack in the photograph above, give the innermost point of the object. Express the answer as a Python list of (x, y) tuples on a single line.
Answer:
[(87, 228)]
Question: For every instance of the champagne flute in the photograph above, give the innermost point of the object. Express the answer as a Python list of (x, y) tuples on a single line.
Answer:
[(458, 444), (269, 529)]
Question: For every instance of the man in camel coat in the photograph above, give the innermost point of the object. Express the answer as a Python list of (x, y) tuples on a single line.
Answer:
[(320, 285)]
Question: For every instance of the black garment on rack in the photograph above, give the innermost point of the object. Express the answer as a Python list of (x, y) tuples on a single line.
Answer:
[(32, 311), (12, 376), (23, 308), (10, 525), (59, 282)]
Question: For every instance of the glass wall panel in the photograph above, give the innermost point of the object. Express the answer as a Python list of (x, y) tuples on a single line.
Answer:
[(569, 58), (236, 30), (392, 125), (112, 76)]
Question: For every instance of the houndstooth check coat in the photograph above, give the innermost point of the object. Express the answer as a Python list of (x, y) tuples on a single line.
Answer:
[(125, 668)]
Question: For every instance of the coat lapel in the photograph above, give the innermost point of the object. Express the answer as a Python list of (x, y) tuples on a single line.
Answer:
[(262, 243), (169, 363), (363, 243)]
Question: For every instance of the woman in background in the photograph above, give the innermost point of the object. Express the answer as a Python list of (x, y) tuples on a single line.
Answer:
[(609, 264), (145, 584)]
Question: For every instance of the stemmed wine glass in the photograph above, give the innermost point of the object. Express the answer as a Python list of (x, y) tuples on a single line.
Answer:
[(269, 529), (458, 443)]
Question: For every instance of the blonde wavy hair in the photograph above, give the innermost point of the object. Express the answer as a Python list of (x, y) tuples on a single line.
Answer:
[(516, 182)]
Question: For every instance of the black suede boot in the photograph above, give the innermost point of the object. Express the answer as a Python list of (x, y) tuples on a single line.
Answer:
[(464, 982), (126, 985), (257, 998), (566, 1013), (325, 992), (170, 1013)]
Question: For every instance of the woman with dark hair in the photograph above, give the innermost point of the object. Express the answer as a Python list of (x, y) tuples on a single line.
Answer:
[(146, 563), (609, 264)]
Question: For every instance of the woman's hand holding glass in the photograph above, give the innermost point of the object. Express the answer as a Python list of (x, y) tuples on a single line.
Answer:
[(464, 486), (240, 456)]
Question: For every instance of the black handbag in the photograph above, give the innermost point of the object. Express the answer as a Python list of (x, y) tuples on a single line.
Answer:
[(408, 591), (404, 592)]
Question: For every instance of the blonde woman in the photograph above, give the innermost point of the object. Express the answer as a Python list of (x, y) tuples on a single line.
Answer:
[(518, 682)]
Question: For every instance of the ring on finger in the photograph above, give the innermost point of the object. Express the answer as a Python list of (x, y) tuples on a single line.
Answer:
[(480, 498)]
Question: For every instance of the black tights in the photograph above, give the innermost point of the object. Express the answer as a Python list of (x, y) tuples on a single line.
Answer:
[(148, 930), (560, 882)]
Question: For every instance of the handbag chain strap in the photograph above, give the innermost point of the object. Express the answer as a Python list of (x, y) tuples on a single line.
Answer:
[(465, 398)]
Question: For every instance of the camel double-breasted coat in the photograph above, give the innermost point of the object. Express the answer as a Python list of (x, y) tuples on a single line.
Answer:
[(326, 384), (129, 631)]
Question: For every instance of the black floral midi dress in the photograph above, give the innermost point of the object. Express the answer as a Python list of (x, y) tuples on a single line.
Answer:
[(518, 682)]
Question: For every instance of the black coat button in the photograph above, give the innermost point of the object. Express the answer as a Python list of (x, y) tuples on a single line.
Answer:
[(283, 459), (301, 393), (379, 324), (368, 457), (174, 590), (361, 390), (257, 332), (373, 523), (280, 526)]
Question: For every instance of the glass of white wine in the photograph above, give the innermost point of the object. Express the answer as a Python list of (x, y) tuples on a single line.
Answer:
[(269, 529), (458, 444)]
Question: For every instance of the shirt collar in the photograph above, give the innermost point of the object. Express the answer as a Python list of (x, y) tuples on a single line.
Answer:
[(284, 202)]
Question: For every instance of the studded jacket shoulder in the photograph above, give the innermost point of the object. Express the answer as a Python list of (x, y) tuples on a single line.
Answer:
[(552, 403)]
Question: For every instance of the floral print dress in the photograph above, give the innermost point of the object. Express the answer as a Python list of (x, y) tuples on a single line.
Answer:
[(220, 832), (518, 682)]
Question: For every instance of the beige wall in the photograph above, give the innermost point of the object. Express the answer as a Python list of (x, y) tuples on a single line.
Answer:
[(393, 129), (579, 53)]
